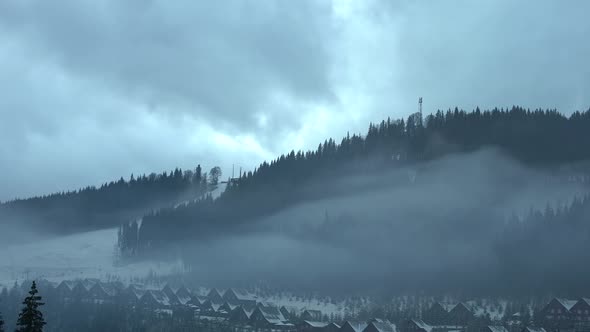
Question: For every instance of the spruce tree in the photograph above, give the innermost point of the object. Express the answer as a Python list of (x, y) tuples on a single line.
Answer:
[(1, 324), (31, 318)]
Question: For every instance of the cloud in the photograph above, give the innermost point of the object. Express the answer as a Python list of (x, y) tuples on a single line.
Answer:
[(92, 90)]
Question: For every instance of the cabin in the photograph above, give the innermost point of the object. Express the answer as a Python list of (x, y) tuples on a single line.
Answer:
[(215, 296), (331, 327), (269, 317), (415, 325), (171, 294), (353, 326), (183, 295), (64, 289), (312, 315), (380, 326), (154, 299), (226, 308), (438, 314), (81, 289), (239, 296), (462, 314), (132, 294), (556, 315), (288, 313), (241, 315), (103, 292), (580, 313)]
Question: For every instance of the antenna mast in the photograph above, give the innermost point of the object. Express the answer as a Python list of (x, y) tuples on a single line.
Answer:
[(420, 109)]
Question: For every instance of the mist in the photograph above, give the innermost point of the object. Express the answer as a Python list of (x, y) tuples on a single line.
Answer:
[(435, 233)]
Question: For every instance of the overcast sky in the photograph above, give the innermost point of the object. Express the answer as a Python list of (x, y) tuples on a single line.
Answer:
[(91, 90)]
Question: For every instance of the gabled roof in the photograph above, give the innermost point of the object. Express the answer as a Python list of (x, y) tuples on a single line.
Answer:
[(67, 284), (272, 315), (316, 315), (383, 326), (566, 303), (157, 296), (242, 294), (108, 289), (316, 324), (356, 326), (421, 324)]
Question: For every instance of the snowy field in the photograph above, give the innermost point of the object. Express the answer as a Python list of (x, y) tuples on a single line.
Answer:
[(84, 255), (78, 256)]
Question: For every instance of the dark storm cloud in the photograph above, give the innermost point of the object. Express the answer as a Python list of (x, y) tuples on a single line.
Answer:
[(92, 90)]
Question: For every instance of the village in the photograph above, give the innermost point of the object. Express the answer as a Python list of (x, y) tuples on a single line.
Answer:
[(242, 311)]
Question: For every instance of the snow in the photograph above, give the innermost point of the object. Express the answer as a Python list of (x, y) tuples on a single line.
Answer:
[(79, 256)]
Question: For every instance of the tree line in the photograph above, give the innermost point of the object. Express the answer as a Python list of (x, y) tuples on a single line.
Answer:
[(538, 138), (111, 204)]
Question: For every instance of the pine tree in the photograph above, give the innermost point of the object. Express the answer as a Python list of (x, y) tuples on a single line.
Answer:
[(31, 318), (1, 324)]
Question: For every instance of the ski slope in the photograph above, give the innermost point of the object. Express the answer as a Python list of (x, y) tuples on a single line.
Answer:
[(83, 255)]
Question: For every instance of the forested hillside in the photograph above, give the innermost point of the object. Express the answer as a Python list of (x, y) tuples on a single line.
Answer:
[(539, 139), (109, 205)]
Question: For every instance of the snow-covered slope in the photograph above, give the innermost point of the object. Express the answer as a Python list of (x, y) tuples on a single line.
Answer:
[(84, 255)]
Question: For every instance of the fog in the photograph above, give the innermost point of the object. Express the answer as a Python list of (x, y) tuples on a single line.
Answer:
[(436, 232)]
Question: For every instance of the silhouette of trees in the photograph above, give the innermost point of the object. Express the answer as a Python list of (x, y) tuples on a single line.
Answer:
[(31, 318)]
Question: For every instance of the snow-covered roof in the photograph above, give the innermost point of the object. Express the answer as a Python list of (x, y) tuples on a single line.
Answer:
[(158, 296), (67, 284), (421, 324), (356, 326), (383, 326), (447, 306), (316, 324), (567, 303), (242, 294), (497, 328), (272, 315), (315, 315)]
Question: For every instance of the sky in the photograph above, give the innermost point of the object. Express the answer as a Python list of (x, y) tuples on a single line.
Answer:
[(92, 90)]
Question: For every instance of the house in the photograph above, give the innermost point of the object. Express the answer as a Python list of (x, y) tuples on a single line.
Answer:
[(312, 315), (438, 314), (379, 325), (462, 314), (415, 325), (81, 289), (64, 289), (241, 314), (171, 294), (215, 296), (556, 315), (331, 327), (580, 314), (310, 326), (493, 328), (288, 313), (269, 317), (132, 294), (353, 326), (198, 300), (183, 295), (239, 296), (154, 299), (102, 292), (226, 308)]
